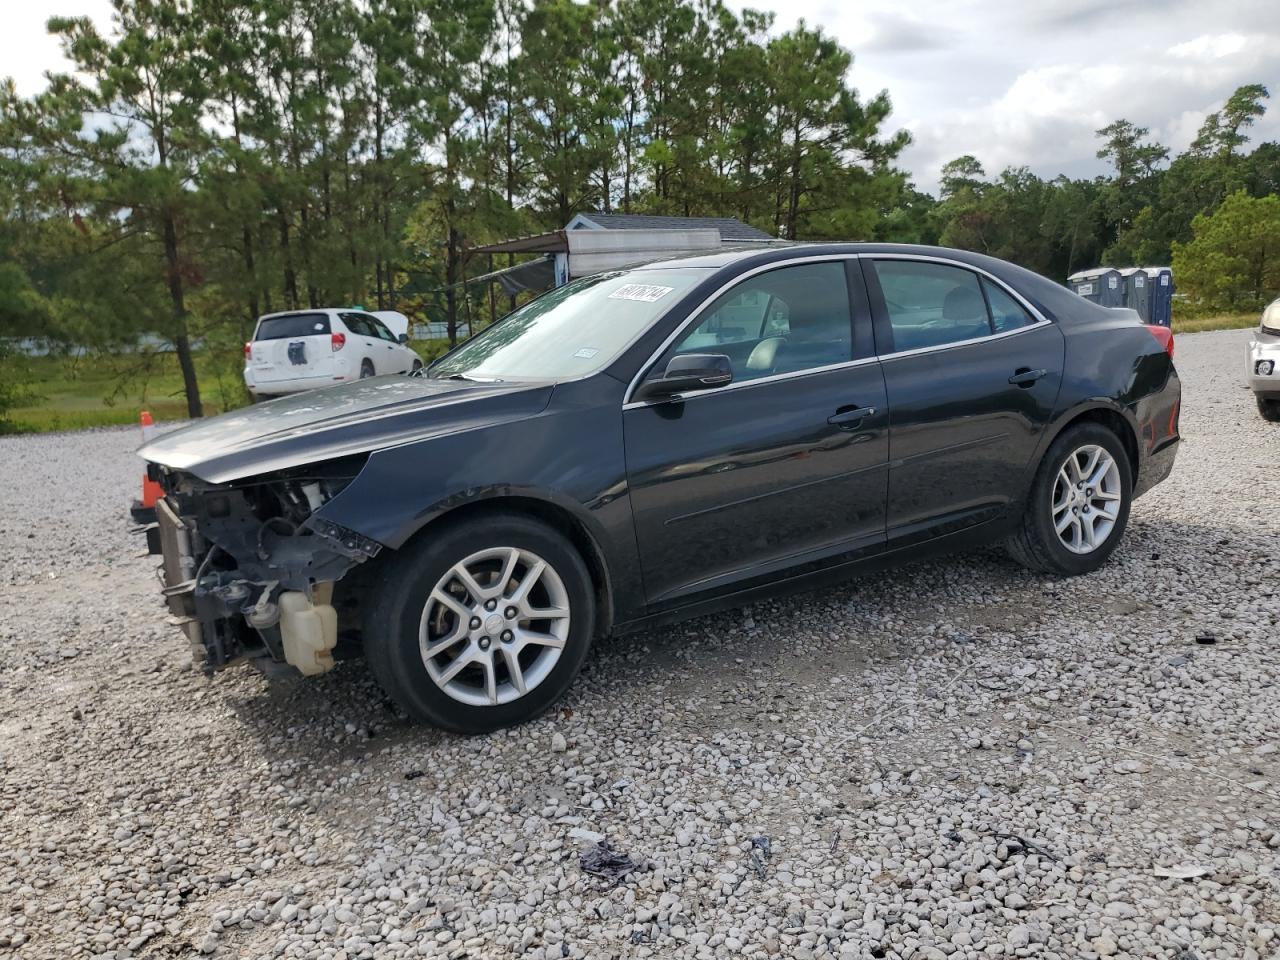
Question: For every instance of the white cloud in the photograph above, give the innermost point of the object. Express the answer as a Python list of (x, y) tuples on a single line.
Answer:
[(1211, 46), (27, 51), (1027, 84)]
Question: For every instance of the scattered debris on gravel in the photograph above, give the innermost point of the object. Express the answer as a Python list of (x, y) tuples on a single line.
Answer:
[(958, 760)]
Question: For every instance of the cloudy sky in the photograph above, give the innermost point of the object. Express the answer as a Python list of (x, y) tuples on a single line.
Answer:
[(1010, 81)]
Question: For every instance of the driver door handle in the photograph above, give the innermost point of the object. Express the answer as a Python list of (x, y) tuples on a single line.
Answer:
[(1025, 377), (846, 418)]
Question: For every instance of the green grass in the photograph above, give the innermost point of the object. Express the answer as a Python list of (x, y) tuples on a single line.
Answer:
[(1214, 321), (112, 390)]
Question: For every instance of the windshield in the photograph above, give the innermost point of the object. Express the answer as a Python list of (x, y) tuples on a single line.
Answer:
[(571, 331)]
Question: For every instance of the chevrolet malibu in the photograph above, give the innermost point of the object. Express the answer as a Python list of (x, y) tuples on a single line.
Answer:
[(653, 443)]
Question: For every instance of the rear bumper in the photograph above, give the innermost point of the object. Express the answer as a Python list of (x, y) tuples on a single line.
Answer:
[(1159, 435), (279, 387)]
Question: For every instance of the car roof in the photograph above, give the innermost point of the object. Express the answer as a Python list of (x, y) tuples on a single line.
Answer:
[(782, 250), (301, 311), (1050, 298)]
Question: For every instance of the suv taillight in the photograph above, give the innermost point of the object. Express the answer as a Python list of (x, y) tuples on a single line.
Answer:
[(1164, 335), (337, 341), (248, 349)]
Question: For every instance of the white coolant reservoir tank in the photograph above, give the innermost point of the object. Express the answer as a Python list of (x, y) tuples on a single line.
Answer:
[(309, 630)]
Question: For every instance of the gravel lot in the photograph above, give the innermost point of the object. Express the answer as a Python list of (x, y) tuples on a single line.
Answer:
[(957, 759)]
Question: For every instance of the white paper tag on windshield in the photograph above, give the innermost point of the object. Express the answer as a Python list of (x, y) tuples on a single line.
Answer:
[(586, 353), (644, 292)]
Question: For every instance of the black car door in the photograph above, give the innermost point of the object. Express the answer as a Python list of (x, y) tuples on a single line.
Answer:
[(784, 466), (972, 376)]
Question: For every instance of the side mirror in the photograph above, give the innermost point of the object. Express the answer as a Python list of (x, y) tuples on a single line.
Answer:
[(687, 373), (403, 338)]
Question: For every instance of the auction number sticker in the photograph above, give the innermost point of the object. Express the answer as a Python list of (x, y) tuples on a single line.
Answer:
[(644, 292)]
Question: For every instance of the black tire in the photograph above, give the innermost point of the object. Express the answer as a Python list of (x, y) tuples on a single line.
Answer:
[(1270, 409), (406, 580), (366, 368), (417, 365), (1035, 543)]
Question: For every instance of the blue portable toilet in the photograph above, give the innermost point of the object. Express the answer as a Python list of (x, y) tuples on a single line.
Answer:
[(1160, 291), (1137, 289), (1103, 285)]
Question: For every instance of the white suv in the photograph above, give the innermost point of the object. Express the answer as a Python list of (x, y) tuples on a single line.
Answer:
[(303, 349)]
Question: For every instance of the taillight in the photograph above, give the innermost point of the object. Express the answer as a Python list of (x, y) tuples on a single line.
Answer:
[(1164, 335), (248, 349), (337, 341)]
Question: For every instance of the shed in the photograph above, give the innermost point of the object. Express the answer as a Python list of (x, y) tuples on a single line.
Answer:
[(1103, 285), (593, 242)]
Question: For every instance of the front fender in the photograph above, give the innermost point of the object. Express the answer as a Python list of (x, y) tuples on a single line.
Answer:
[(569, 457)]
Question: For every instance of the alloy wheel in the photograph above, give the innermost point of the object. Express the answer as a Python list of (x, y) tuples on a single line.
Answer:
[(494, 626), (1086, 499)]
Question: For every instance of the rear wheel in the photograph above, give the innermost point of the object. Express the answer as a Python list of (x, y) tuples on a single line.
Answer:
[(366, 368), (1270, 409), (482, 624), (1079, 503), (417, 365)]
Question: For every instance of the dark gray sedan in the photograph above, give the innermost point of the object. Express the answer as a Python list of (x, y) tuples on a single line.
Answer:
[(654, 443)]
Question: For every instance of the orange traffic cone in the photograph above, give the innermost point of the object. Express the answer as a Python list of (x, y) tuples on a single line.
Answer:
[(151, 491)]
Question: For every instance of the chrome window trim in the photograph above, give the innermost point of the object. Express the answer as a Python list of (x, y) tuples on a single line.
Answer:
[(696, 314), (1038, 318)]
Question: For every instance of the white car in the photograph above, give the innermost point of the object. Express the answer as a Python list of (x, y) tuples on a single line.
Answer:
[(303, 349), (1263, 371)]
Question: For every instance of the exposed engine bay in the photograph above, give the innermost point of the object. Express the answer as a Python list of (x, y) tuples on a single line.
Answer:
[(248, 570)]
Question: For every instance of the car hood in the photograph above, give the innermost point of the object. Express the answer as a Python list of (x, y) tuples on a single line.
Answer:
[(338, 421)]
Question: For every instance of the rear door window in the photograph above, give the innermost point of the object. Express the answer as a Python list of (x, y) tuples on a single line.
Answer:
[(359, 324), (931, 304), (293, 325)]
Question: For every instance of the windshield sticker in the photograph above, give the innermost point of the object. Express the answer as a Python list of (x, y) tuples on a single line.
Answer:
[(586, 353), (644, 292)]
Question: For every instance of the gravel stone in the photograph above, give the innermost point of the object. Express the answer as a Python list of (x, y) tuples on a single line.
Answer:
[(957, 759)]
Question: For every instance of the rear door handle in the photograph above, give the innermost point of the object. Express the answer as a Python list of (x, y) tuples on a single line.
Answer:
[(846, 418), (1025, 376)]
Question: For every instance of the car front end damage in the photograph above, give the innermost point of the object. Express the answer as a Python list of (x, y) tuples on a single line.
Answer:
[(248, 569)]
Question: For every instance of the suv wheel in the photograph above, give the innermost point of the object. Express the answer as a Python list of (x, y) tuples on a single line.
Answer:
[(366, 368), (481, 624), (1270, 409), (1078, 506)]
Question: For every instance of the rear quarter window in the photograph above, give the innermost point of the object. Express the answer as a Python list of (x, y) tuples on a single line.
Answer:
[(293, 325)]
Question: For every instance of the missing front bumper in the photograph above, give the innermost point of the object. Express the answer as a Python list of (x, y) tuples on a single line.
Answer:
[(252, 604)]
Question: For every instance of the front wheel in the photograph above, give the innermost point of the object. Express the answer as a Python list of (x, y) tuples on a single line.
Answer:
[(1078, 506), (481, 624), (1270, 409)]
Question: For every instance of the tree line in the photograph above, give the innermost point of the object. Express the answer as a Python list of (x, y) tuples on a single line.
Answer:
[(1151, 207), (209, 160), (206, 161)]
